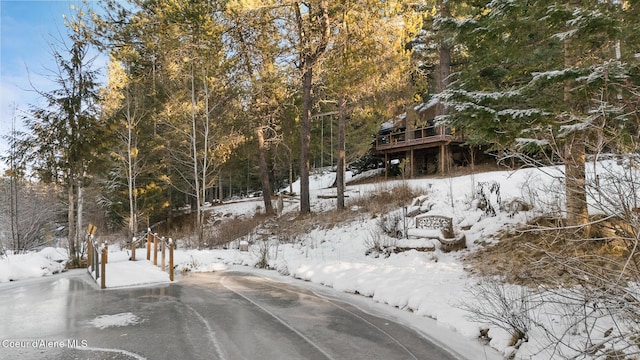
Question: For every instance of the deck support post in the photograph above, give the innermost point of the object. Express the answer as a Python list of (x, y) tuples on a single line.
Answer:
[(386, 165), (442, 159), (411, 164)]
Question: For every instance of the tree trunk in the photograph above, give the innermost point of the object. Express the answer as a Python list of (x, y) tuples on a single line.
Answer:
[(290, 176), (312, 46), (575, 180), (341, 166), (133, 221), (13, 211), (72, 225), (80, 210), (444, 70), (305, 140), (264, 172), (205, 160), (574, 158), (194, 149)]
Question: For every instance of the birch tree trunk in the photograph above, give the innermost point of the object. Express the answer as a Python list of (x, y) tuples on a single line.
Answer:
[(194, 155), (131, 158), (341, 166)]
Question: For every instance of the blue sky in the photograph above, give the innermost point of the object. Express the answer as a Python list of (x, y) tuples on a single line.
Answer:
[(27, 28)]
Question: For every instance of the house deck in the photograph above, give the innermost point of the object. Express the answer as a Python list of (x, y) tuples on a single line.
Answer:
[(420, 146)]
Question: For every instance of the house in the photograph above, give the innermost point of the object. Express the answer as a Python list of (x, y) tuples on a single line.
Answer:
[(425, 146)]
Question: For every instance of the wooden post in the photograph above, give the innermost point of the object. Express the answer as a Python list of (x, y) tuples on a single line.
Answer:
[(106, 254), (155, 249), (89, 252), (163, 254), (411, 164), (442, 160), (96, 262), (149, 244), (170, 259), (133, 249), (103, 265)]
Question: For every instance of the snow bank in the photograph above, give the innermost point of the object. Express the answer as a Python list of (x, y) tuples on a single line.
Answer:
[(46, 262)]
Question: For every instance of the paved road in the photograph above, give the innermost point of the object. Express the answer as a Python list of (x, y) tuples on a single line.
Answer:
[(226, 315)]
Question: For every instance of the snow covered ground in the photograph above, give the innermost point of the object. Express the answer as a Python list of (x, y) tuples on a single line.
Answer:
[(432, 286)]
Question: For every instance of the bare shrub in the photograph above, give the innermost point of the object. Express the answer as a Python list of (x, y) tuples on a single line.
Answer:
[(377, 244), (514, 206), (262, 253), (290, 229), (547, 198), (29, 216), (219, 233), (384, 198), (504, 306)]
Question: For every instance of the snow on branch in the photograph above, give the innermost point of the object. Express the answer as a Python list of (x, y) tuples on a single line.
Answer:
[(547, 75), (564, 35), (522, 142), (481, 96), (580, 126), (463, 106), (520, 113), (607, 70)]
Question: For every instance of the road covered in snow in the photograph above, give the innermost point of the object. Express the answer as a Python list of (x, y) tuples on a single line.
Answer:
[(220, 315)]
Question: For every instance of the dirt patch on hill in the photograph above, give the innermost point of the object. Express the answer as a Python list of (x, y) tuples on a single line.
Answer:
[(546, 253)]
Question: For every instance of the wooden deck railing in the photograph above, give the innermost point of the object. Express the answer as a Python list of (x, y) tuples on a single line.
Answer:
[(418, 136)]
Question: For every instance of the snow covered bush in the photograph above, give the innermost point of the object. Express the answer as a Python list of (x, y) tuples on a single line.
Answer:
[(377, 244), (488, 198), (262, 253), (391, 225)]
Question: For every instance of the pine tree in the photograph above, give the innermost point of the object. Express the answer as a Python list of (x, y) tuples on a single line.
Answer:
[(313, 32), (65, 136), (364, 74), (256, 39), (523, 87)]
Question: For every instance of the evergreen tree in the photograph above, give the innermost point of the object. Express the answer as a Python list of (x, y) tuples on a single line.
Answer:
[(256, 38), (136, 93), (523, 88), (313, 33), (65, 137), (364, 74)]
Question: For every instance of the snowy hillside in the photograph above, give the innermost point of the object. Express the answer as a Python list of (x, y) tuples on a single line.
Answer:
[(429, 285)]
